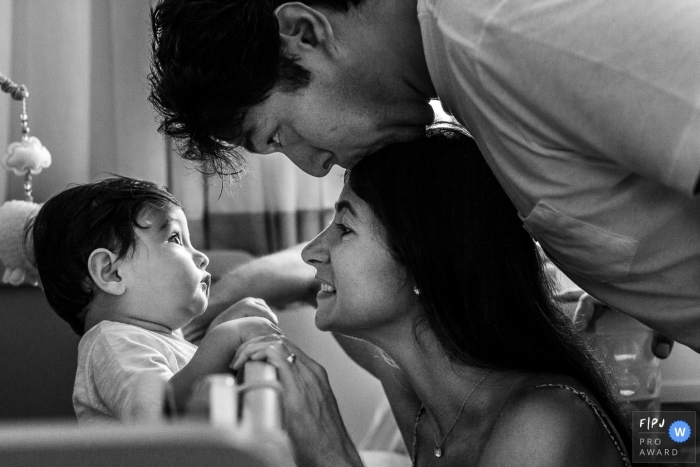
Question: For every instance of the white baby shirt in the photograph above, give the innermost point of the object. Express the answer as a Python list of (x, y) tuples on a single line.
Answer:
[(112, 357)]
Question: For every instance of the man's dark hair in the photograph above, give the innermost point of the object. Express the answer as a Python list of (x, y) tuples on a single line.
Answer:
[(211, 61), (482, 281), (77, 221)]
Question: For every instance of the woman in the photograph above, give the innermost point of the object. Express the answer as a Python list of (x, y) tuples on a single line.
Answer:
[(452, 313)]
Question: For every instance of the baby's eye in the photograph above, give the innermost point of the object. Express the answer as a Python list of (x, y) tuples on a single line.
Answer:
[(175, 238)]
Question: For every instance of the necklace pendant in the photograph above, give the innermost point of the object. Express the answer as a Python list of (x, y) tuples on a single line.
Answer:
[(438, 451)]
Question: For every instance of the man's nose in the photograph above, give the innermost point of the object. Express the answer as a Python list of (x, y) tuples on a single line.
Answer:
[(309, 159)]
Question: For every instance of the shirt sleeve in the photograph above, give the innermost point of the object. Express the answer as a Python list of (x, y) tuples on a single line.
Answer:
[(602, 79), (121, 365)]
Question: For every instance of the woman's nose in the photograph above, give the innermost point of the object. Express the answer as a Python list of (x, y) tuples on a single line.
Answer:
[(316, 251)]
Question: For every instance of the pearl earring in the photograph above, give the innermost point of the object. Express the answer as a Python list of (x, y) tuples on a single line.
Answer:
[(416, 290)]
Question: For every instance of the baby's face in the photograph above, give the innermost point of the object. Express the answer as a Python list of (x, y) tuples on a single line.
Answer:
[(167, 283)]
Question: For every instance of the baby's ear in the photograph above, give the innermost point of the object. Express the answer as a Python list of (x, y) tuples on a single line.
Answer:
[(104, 271)]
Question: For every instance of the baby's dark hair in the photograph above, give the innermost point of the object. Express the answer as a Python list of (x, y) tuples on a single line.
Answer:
[(77, 221)]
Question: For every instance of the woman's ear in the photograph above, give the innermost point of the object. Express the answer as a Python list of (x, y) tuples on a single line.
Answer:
[(104, 266), (303, 28)]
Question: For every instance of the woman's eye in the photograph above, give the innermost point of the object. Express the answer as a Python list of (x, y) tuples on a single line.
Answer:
[(275, 139), (343, 229), (175, 238)]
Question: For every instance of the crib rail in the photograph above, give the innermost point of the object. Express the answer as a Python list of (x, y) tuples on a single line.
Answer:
[(212, 434)]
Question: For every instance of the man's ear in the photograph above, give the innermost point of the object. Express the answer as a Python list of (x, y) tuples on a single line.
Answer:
[(303, 28), (104, 271)]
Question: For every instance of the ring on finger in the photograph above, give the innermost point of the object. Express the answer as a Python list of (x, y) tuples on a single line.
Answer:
[(291, 358)]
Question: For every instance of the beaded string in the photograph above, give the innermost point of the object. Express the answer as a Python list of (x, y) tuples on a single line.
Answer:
[(19, 92)]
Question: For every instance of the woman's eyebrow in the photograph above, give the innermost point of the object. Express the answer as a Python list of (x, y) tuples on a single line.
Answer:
[(344, 204)]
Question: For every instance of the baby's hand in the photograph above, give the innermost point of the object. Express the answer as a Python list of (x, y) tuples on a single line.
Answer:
[(222, 342), (253, 326), (247, 307), (216, 352)]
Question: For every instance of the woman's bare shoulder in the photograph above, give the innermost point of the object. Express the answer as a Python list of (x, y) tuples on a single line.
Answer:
[(545, 427)]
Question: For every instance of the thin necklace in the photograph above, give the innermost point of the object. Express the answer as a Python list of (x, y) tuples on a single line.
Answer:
[(438, 446)]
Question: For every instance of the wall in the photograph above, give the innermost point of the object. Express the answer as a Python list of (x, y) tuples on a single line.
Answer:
[(38, 354)]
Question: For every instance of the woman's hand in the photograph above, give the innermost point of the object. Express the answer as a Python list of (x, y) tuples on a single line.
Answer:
[(311, 414)]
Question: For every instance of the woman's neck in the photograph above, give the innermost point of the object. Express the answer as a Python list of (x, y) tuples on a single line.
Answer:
[(441, 384)]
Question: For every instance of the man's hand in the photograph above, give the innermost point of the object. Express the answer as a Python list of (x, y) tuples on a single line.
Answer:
[(246, 307), (588, 309)]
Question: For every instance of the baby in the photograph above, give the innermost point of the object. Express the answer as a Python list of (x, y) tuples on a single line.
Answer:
[(115, 262)]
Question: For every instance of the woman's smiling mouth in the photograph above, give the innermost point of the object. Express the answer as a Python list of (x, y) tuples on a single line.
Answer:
[(327, 291)]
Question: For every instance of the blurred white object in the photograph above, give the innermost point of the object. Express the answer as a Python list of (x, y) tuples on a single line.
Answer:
[(626, 346), (215, 399), (262, 409), (169, 445)]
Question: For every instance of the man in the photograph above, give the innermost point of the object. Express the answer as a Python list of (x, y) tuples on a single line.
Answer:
[(588, 112)]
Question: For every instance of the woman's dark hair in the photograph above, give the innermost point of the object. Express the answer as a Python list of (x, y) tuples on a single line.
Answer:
[(482, 281), (211, 61), (77, 221)]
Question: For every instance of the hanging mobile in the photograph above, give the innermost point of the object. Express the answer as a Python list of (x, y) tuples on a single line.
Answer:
[(27, 158)]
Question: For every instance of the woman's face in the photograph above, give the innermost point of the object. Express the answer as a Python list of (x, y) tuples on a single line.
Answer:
[(364, 290)]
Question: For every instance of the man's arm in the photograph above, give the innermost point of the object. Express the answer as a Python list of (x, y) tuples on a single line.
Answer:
[(279, 279)]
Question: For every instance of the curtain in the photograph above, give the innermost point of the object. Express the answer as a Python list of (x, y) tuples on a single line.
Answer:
[(85, 64)]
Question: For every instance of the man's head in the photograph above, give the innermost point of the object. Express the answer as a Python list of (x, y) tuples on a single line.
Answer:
[(325, 82), (84, 231)]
